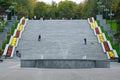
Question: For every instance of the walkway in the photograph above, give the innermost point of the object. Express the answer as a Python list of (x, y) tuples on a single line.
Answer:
[(10, 70)]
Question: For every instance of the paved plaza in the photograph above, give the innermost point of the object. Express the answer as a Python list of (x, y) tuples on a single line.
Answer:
[(10, 70)]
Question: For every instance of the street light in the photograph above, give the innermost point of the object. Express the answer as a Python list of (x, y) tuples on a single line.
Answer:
[(111, 14), (106, 10), (14, 4), (99, 3), (11, 8), (102, 6), (7, 11)]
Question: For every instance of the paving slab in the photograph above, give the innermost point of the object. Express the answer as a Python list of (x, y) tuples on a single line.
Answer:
[(10, 70)]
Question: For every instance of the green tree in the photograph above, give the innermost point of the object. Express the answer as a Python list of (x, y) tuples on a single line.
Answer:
[(80, 8), (40, 9), (116, 9), (54, 9), (50, 12), (28, 6), (4, 5), (22, 11), (89, 9), (66, 9)]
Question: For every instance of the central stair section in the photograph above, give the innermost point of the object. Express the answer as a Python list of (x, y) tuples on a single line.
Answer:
[(61, 45)]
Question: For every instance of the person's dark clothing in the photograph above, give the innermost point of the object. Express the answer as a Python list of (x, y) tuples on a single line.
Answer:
[(85, 41), (39, 37)]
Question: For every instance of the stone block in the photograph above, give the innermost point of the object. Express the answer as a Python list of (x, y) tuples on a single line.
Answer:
[(99, 17)]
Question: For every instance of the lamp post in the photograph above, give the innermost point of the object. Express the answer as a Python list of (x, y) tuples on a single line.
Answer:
[(7, 11), (99, 3), (102, 6), (14, 4), (111, 14), (11, 8), (106, 10)]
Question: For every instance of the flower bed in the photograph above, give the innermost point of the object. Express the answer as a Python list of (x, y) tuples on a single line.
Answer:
[(9, 51), (17, 34), (10, 48), (101, 38), (91, 20), (94, 25), (23, 21), (20, 27), (14, 42), (106, 46), (111, 54), (97, 30)]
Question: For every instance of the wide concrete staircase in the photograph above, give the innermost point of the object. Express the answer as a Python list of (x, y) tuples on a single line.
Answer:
[(61, 46)]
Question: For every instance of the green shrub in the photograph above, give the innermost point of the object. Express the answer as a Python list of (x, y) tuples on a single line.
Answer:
[(12, 30), (116, 46), (114, 25), (14, 27), (8, 39), (6, 23), (1, 28), (1, 52), (3, 45)]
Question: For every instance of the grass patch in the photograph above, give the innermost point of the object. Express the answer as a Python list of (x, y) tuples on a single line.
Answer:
[(12, 30), (114, 25), (116, 47), (98, 22), (3, 45), (14, 27), (8, 39)]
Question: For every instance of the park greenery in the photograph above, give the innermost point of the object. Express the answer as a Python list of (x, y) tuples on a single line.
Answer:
[(65, 9)]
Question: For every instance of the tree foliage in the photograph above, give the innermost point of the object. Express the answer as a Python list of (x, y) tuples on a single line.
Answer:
[(4, 4), (88, 9), (66, 9), (28, 6), (39, 10)]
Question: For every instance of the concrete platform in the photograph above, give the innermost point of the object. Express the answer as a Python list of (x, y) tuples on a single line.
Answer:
[(62, 44), (10, 70)]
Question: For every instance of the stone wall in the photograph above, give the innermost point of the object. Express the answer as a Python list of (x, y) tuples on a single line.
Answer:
[(65, 63)]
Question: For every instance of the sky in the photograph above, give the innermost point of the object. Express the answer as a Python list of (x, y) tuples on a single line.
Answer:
[(57, 1)]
